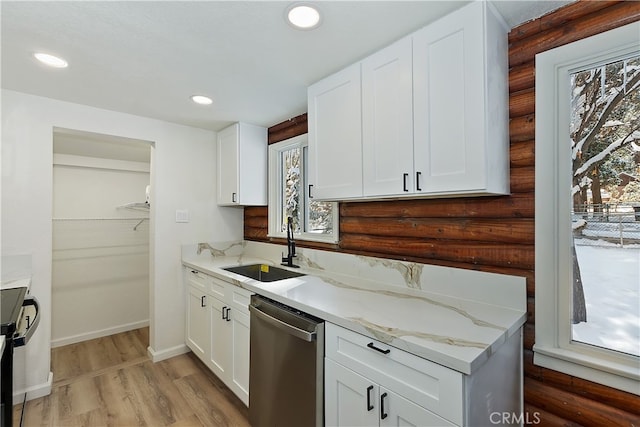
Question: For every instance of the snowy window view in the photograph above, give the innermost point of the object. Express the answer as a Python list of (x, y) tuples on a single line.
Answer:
[(605, 144), (308, 216), (291, 187)]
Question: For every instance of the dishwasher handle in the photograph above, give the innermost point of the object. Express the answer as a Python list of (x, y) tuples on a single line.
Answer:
[(290, 329)]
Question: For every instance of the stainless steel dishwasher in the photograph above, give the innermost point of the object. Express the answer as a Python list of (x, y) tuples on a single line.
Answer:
[(286, 376)]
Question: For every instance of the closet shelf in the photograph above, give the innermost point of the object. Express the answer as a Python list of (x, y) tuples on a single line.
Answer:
[(136, 206)]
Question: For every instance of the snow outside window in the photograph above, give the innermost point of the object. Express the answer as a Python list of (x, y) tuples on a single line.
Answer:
[(588, 209), (288, 198)]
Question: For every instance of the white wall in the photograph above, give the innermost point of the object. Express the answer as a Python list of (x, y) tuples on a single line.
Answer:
[(100, 251), (182, 177)]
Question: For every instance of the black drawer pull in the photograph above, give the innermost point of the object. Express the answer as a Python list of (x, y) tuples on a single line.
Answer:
[(203, 299), (405, 176), (383, 414), (369, 405), (310, 187), (224, 313), (418, 175), (373, 347), (228, 319)]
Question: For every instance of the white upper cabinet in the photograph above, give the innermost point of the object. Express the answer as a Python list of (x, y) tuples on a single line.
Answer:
[(242, 165), (387, 133), (424, 117), (335, 136), (460, 114)]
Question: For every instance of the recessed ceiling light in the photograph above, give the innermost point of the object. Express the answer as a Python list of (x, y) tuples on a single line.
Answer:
[(303, 16), (50, 60), (201, 99)]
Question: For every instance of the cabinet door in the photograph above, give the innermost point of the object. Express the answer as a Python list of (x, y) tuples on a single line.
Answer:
[(335, 135), (219, 355), (449, 107), (239, 347), (197, 322), (228, 185), (252, 165), (387, 121), (349, 398), (397, 411)]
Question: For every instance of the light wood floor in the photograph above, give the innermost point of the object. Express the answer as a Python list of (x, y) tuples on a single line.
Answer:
[(111, 381)]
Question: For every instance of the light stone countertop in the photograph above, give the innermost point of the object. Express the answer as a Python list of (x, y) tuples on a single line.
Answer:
[(456, 331)]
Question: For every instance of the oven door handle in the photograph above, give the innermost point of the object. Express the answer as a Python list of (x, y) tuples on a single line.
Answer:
[(290, 329), (25, 336)]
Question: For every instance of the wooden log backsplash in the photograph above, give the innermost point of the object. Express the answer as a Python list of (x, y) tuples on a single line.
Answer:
[(494, 234)]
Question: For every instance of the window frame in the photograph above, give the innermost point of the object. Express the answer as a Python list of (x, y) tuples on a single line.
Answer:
[(275, 192), (553, 346)]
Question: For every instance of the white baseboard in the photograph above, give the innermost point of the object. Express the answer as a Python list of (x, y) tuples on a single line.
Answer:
[(34, 392), (98, 334), (157, 356)]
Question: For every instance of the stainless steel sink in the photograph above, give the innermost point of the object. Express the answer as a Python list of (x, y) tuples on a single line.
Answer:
[(263, 272)]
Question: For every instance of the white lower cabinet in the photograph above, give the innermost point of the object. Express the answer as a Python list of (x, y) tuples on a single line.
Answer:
[(398, 411), (239, 373), (369, 383), (198, 336), (354, 400), (219, 354), (217, 329)]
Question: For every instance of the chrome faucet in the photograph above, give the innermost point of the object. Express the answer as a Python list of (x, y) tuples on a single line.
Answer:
[(291, 246)]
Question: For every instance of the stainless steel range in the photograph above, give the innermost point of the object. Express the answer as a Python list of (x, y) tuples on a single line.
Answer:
[(19, 318)]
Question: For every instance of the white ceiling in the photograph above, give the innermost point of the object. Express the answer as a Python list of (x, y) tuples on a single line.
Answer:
[(148, 57)]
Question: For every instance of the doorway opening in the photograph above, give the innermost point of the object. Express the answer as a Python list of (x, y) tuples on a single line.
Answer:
[(101, 233)]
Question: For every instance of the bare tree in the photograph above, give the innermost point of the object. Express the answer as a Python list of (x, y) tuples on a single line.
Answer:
[(605, 117)]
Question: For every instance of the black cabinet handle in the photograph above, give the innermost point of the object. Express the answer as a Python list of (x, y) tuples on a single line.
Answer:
[(194, 272), (310, 187), (228, 318), (369, 405), (233, 197), (418, 175), (383, 414), (404, 181), (373, 347), (223, 311), (203, 300)]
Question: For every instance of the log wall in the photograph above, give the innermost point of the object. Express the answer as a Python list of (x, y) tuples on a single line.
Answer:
[(494, 234)]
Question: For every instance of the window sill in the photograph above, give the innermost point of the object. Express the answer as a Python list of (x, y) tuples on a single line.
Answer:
[(609, 373), (306, 238)]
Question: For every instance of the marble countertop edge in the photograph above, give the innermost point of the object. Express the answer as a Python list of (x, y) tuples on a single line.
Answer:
[(299, 293)]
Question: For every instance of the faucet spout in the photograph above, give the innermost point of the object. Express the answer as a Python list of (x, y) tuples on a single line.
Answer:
[(291, 246)]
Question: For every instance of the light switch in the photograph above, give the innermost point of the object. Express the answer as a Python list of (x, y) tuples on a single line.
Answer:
[(182, 215)]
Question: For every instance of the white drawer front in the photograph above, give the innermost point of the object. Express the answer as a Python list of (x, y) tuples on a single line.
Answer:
[(428, 384), (239, 298), (217, 287), (198, 279)]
